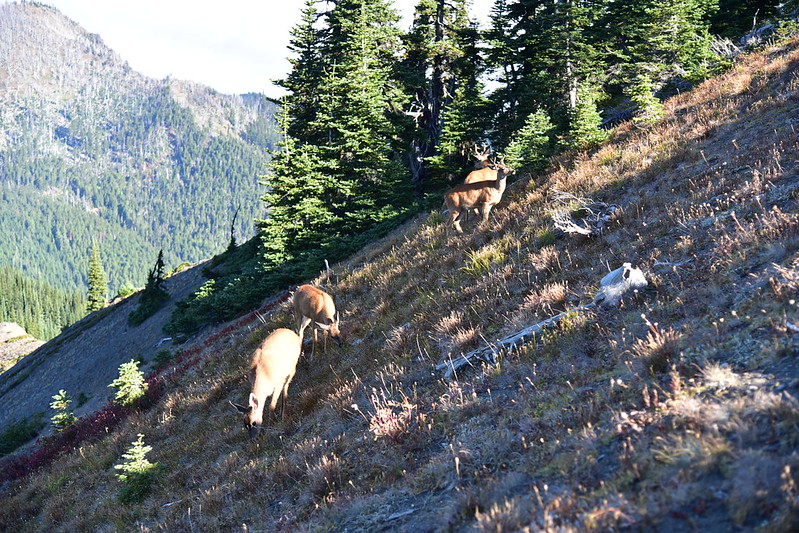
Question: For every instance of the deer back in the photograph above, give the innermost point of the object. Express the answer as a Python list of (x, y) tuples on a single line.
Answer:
[(477, 193), (315, 304), (276, 358), (488, 173)]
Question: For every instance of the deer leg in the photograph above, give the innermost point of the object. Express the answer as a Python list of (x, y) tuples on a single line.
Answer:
[(273, 404), (283, 404), (486, 209), (454, 219), (302, 323)]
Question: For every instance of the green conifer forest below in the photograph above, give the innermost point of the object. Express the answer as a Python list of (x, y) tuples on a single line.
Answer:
[(92, 151)]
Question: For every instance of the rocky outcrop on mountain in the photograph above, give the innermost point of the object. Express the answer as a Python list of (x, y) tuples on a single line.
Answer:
[(15, 343)]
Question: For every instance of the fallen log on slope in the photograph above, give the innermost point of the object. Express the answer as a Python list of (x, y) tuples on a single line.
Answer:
[(612, 287)]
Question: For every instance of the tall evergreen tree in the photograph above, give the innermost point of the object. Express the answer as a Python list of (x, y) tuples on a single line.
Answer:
[(440, 68), (551, 47), (338, 174), (153, 295), (660, 39), (735, 18), (98, 282), (308, 66)]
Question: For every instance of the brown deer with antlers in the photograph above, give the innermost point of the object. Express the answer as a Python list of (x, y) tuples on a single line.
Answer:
[(483, 195), (481, 154)]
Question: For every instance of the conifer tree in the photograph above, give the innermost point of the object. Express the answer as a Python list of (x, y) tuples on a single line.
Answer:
[(532, 145), (735, 18), (153, 295), (552, 50), (308, 66), (98, 282), (584, 119), (660, 39), (63, 417), (440, 70), (337, 172)]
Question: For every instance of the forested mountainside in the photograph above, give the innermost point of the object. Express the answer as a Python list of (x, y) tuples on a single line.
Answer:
[(38, 307), (90, 150), (675, 410)]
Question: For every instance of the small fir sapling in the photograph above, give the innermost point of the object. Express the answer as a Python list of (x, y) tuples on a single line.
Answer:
[(63, 417), (137, 472), (130, 383)]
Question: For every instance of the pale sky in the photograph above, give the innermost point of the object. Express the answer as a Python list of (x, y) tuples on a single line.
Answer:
[(235, 46)]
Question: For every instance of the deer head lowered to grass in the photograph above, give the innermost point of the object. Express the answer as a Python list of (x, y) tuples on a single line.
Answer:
[(482, 194), (273, 366), (312, 305)]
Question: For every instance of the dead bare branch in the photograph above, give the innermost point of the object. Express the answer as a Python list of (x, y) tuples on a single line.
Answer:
[(584, 216)]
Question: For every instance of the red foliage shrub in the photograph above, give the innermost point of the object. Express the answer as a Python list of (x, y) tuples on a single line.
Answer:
[(92, 427)]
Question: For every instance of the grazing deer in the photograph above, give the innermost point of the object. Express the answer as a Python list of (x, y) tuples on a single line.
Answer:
[(273, 366), (315, 305), (483, 195)]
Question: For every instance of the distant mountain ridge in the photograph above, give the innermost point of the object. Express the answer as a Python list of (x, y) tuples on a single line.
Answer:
[(91, 149)]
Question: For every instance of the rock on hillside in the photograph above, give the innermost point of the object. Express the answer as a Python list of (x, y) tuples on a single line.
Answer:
[(85, 358), (15, 343)]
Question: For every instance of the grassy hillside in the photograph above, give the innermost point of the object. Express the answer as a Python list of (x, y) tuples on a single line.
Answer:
[(676, 410)]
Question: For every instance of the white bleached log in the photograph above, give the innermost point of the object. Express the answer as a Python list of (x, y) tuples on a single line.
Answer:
[(611, 288)]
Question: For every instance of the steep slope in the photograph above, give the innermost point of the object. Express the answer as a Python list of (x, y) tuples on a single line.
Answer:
[(85, 358), (676, 410), (92, 150)]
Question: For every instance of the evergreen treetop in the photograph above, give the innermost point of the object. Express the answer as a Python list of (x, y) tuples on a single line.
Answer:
[(98, 282)]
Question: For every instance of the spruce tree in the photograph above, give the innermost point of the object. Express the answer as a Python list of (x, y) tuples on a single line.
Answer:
[(584, 119), (532, 145), (661, 39), (308, 66), (546, 50), (63, 417), (153, 296), (336, 173), (98, 282), (440, 70)]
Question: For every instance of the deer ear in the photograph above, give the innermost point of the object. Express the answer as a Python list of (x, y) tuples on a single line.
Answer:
[(239, 408), (253, 401)]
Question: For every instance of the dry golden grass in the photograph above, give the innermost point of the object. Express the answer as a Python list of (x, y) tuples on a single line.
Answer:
[(684, 418)]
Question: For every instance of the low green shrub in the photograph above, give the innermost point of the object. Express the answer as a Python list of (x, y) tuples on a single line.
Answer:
[(20, 432)]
